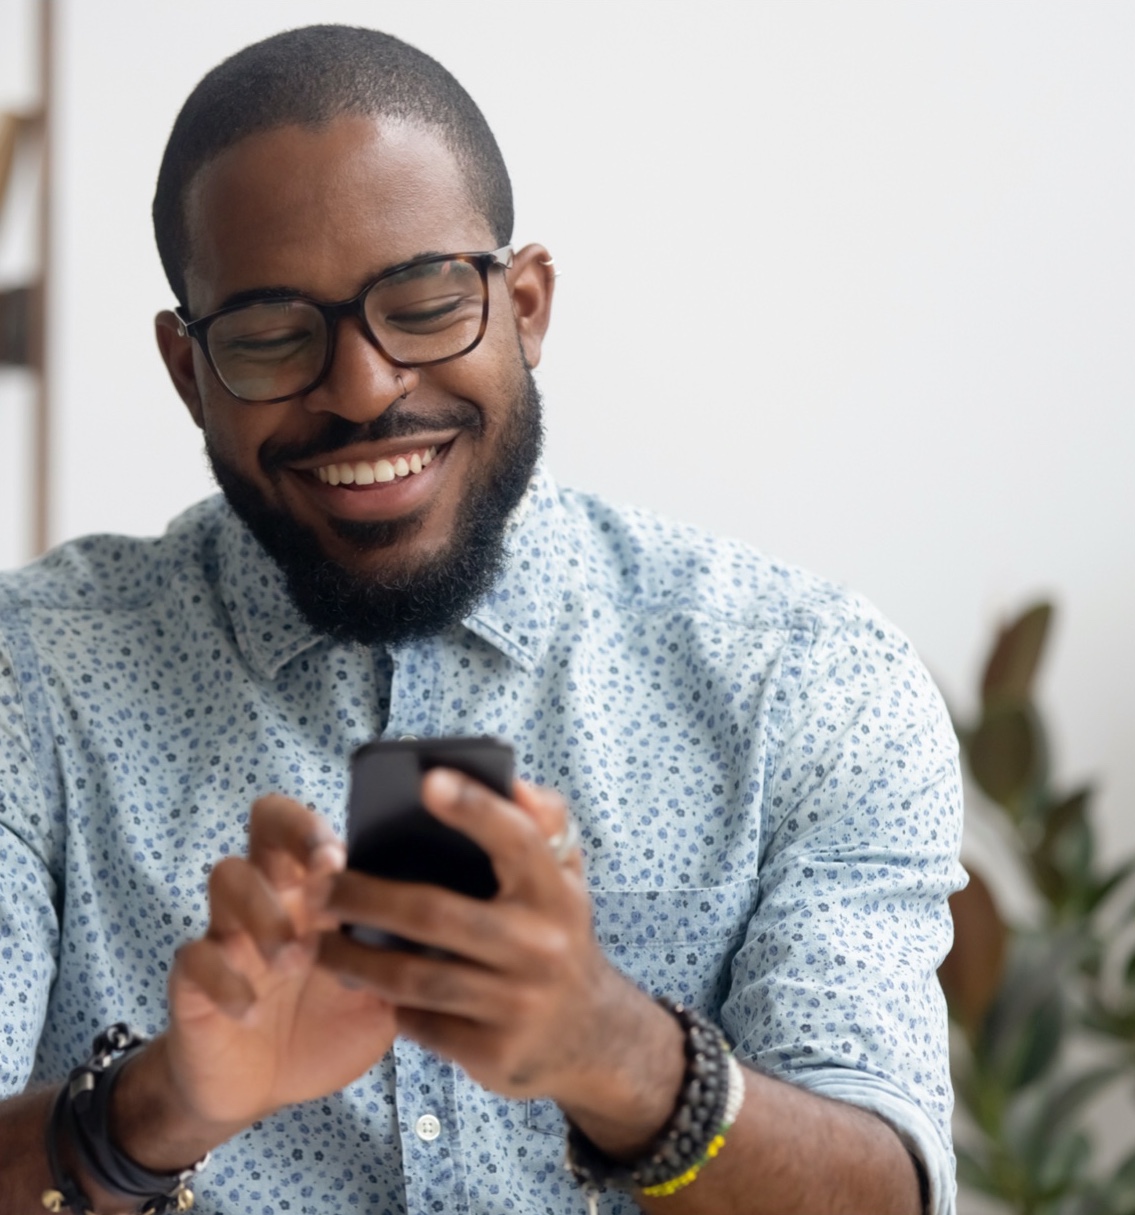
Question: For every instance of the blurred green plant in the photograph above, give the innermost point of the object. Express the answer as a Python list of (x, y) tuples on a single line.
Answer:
[(1030, 998)]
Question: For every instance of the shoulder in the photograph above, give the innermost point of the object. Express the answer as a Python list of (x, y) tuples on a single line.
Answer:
[(109, 572), (649, 563)]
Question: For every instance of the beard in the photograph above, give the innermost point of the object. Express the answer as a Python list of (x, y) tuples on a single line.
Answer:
[(411, 601)]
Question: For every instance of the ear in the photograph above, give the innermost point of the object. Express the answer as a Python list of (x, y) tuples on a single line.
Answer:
[(531, 284), (176, 349)]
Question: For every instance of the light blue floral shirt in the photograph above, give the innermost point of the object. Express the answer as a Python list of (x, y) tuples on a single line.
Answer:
[(765, 778)]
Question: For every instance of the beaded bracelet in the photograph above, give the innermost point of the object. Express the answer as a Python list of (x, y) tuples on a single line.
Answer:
[(709, 1100), (733, 1105)]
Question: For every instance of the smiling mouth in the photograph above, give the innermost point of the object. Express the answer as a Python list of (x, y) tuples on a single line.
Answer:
[(376, 472)]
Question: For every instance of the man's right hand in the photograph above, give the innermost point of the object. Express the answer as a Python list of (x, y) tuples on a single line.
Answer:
[(254, 1023)]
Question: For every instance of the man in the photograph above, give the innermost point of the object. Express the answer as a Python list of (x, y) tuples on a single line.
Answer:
[(763, 778)]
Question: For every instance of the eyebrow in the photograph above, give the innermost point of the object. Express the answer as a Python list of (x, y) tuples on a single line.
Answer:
[(254, 295)]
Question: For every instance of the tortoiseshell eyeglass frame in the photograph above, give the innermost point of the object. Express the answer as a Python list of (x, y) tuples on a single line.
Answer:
[(354, 307)]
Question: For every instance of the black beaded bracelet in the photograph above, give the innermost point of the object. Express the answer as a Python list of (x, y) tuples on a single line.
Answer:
[(707, 1103), (81, 1116)]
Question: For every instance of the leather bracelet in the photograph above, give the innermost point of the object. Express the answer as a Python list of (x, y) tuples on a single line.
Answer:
[(66, 1194), (708, 1103), (81, 1115)]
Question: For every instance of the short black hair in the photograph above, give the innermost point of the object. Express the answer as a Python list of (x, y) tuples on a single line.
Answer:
[(307, 77)]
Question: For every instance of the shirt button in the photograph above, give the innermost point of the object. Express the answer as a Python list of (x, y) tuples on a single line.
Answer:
[(427, 1127)]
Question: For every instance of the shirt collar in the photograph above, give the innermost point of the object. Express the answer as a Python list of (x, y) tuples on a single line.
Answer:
[(516, 617), (270, 630), (518, 614)]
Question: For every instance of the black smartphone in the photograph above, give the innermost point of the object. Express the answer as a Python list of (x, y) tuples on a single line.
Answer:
[(390, 834)]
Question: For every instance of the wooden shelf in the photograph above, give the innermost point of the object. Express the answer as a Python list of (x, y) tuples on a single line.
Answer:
[(24, 329)]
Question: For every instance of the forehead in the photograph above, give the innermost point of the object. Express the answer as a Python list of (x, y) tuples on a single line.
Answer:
[(322, 209)]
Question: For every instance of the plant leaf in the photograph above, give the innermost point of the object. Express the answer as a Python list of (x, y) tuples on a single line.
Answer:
[(971, 972), (1063, 1103), (1039, 1044), (1073, 809), (1112, 882), (1125, 1172), (1016, 653), (1004, 752), (1115, 1196), (973, 1172), (1065, 1164), (1021, 1035)]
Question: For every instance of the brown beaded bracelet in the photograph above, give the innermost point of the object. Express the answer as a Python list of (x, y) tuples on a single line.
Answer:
[(684, 1142)]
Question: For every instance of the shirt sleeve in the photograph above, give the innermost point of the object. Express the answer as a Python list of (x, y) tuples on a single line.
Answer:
[(29, 831), (835, 987)]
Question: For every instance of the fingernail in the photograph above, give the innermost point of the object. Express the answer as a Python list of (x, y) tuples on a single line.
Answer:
[(321, 833), (329, 855), (444, 783), (351, 984)]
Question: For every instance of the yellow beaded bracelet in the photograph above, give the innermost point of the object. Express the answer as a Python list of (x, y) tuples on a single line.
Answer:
[(679, 1183), (732, 1109)]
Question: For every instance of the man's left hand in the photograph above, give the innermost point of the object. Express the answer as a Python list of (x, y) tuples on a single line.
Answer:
[(522, 995)]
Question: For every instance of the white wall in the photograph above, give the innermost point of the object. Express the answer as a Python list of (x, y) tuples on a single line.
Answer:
[(853, 282)]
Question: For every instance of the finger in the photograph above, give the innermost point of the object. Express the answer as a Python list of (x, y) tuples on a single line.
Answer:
[(508, 937), (544, 805), (518, 849), (202, 980), (289, 842), (548, 807), (482, 1050), (242, 902), (418, 981), (449, 1036)]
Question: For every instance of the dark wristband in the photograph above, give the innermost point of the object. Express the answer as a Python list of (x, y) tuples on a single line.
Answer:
[(81, 1117)]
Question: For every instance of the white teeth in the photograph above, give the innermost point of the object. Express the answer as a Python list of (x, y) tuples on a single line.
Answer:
[(364, 473)]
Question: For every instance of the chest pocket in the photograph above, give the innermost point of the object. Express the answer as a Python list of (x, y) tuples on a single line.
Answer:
[(677, 943)]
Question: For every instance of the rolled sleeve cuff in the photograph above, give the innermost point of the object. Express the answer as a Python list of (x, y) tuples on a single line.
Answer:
[(919, 1135)]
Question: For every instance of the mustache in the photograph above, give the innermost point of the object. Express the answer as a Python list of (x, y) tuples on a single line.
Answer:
[(394, 423)]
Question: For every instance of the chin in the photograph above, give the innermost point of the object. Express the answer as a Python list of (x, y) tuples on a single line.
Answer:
[(393, 582)]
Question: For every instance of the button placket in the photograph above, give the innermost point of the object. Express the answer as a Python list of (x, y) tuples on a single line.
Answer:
[(426, 1119), (415, 674)]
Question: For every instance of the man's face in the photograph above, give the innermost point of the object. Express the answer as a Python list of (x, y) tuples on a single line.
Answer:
[(322, 211)]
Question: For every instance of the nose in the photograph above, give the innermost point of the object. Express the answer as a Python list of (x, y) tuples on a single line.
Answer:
[(361, 383)]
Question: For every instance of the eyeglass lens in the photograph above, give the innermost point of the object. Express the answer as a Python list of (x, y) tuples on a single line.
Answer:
[(427, 312)]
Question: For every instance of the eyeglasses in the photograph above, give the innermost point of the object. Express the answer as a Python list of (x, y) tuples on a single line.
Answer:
[(417, 314)]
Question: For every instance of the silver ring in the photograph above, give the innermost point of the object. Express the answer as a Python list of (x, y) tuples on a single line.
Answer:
[(402, 385), (564, 842)]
